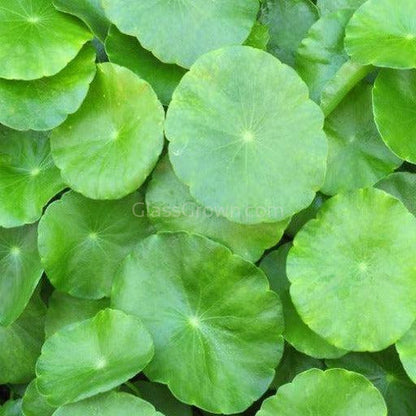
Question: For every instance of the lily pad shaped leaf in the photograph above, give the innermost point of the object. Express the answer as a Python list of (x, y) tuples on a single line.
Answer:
[(383, 33), (92, 356), (193, 27), (402, 185), (109, 404), (126, 51), (45, 103), (26, 335), (247, 152), (34, 404), (352, 270), (107, 149), (329, 6), (171, 207), (394, 98), (55, 39), (406, 347), (82, 241), (64, 310), (90, 12), (357, 155), (28, 176), (335, 392), (20, 270), (215, 323), (288, 22), (296, 332)]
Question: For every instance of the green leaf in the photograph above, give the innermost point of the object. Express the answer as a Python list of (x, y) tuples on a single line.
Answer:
[(402, 185), (109, 147), (64, 310), (34, 404), (357, 155), (329, 6), (259, 36), (89, 11), (215, 324), (126, 51), (26, 335), (37, 41), (28, 176), (406, 347), (296, 332), (190, 27), (171, 207), (12, 408), (92, 356), (383, 33), (333, 392), (45, 103), (261, 160), (288, 22), (20, 270), (386, 372), (394, 97), (321, 54), (352, 271), (82, 241), (109, 404)]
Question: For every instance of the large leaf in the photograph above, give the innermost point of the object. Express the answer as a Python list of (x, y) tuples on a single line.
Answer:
[(215, 324), (352, 271), (20, 270), (245, 151), (28, 176), (45, 103), (36, 40), (82, 241), (92, 356), (108, 148), (171, 207), (190, 28), (34, 404), (334, 392)]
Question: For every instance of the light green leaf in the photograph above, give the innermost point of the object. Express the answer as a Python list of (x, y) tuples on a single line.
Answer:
[(352, 271), (329, 6), (108, 148), (190, 27), (215, 324), (34, 404), (383, 33), (82, 241), (171, 207), (28, 176), (394, 98), (259, 36), (12, 408), (126, 51), (45, 103), (92, 356), (406, 347), (36, 40), (333, 392), (20, 270), (261, 160)]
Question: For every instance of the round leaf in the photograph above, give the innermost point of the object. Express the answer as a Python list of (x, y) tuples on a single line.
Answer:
[(45, 103), (108, 148), (334, 392), (109, 404), (245, 151), (352, 271), (383, 33), (192, 27), (215, 324), (92, 356), (357, 155), (296, 332), (28, 176), (394, 97), (406, 347), (20, 270), (126, 51), (36, 40), (82, 241), (171, 207), (34, 404)]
